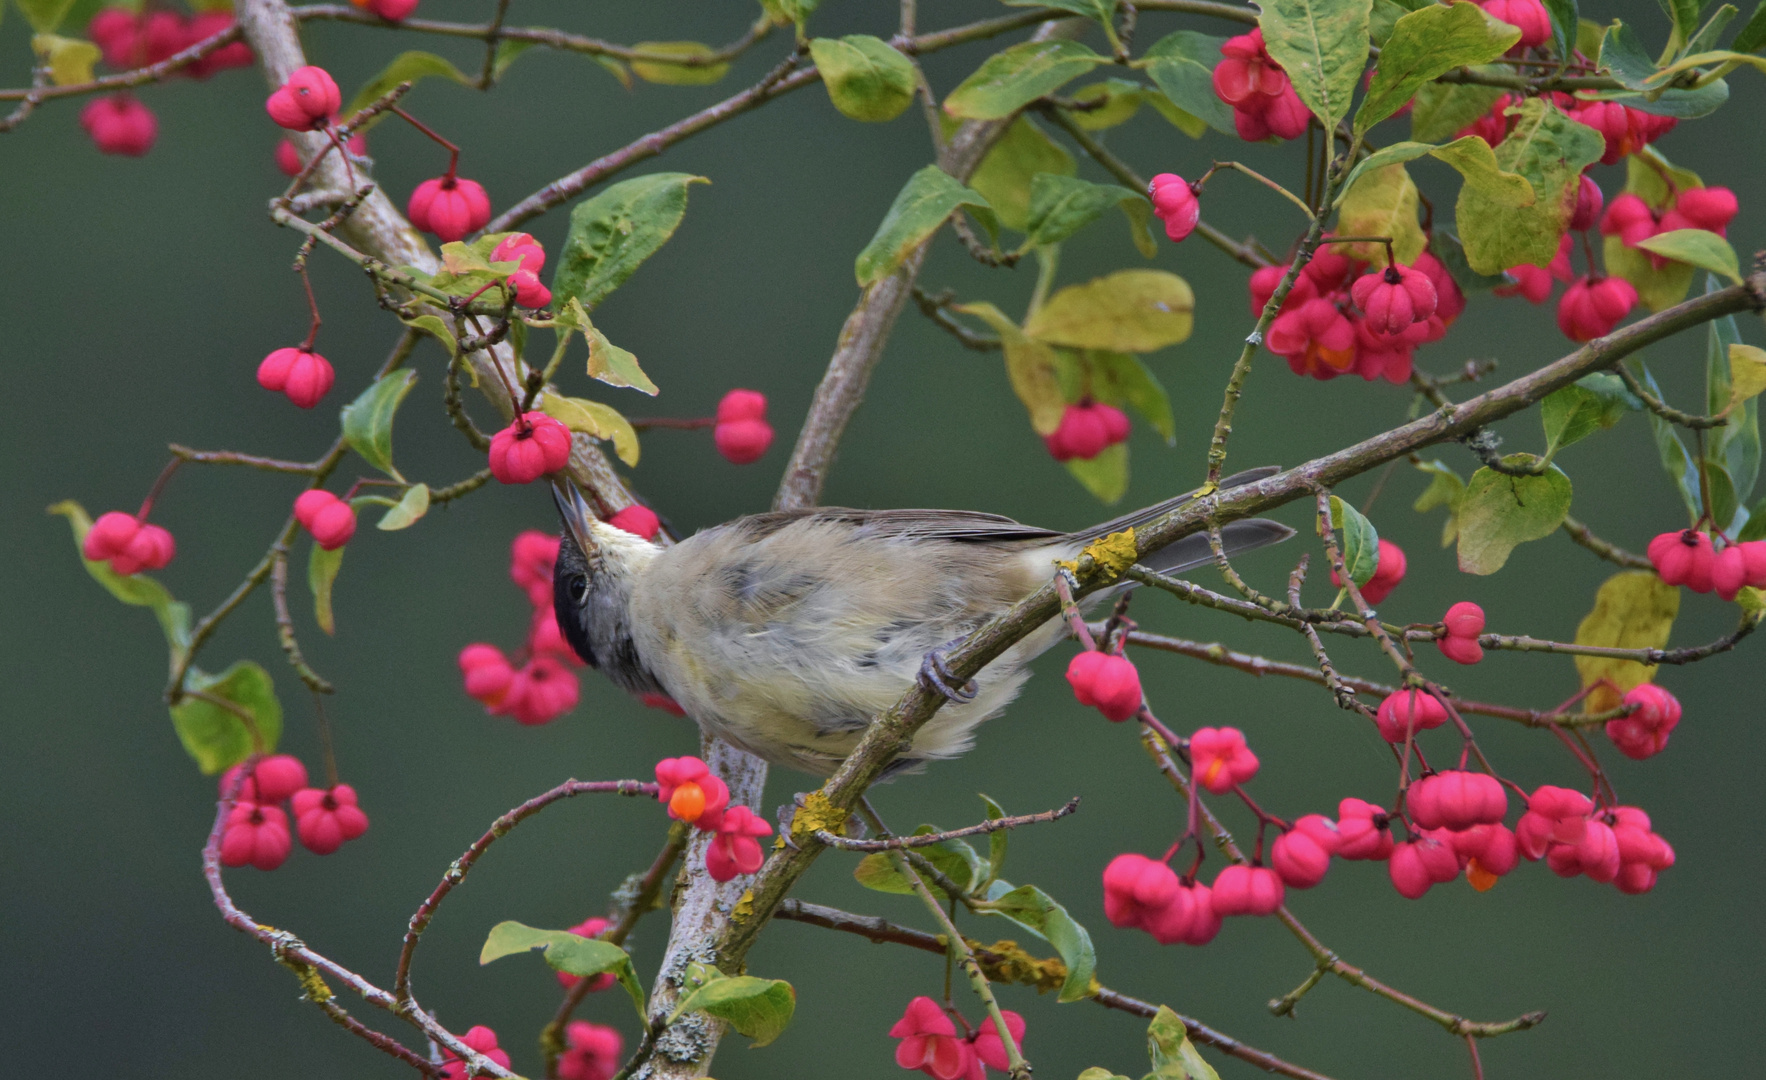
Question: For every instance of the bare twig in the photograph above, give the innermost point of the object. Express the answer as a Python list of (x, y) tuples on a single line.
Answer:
[(895, 843)]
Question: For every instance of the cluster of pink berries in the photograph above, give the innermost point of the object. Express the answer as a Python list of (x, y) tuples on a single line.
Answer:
[(1175, 203), (299, 373), (544, 688), (1261, 95), (256, 830), (742, 434), (700, 799), (128, 543), (1107, 682), (481, 1039), (1086, 430), (1632, 220), (1575, 836), (1527, 16), (591, 1052), (532, 446), (390, 10), (524, 283), (331, 520), (307, 100), (1337, 319), (1625, 130), (930, 1043), (120, 123), (1689, 558)]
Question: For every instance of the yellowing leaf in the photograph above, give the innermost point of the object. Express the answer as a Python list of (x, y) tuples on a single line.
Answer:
[(1550, 150), (1128, 311), (1009, 80), (1006, 173), (594, 419), (1632, 610), (659, 71), (613, 365), (1383, 202), (867, 79), (1747, 373), (1696, 247), (70, 60), (1031, 367), (1424, 44)]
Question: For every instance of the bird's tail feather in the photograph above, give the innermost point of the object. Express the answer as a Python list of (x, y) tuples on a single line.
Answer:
[(1138, 518)]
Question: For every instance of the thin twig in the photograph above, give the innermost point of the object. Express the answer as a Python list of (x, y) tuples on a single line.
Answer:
[(928, 839), (1612, 553), (285, 627)]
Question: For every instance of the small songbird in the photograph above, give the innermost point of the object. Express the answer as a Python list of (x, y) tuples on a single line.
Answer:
[(786, 633)]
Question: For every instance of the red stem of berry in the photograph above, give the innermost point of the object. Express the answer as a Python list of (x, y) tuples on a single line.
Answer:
[(453, 151), (313, 306), (159, 485)]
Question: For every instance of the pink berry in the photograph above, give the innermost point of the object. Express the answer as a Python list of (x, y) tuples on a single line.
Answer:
[(1299, 859), (326, 818), (1645, 732), (742, 434), (529, 293), (449, 206), (1174, 203), (303, 376), (1591, 308), (1419, 864), (1394, 298), (306, 101), (1684, 558), (1463, 622), (1107, 683), (532, 446), (1389, 568), (531, 558), (1711, 209), (119, 124), (204, 25), (638, 520), (1086, 430), (130, 545), (1730, 571), (544, 638), (255, 835), (522, 248), (110, 535), (278, 777), (1247, 890), (288, 158), (1220, 759), (1136, 888), (391, 10), (482, 1040), (990, 1048), (1588, 204), (592, 1051), (1316, 339), (735, 850), (1456, 799), (1362, 826), (653, 700), (488, 674), (930, 1043), (541, 691), (329, 519), (1407, 712)]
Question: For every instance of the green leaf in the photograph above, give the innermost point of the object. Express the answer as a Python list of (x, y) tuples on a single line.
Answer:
[(595, 419), (758, 1008), (322, 568), (45, 15), (608, 362), (507, 51), (1499, 512), (1574, 413), (1005, 174), (1425, 44), (789, 11), (1623, 55), (1445, 489), (1122, 379), (1452, 253), (1756, 526), (997, 842), (367, 421), (1007, 81), (1683, 103), (1696, 247), (1128, 311), (1062, 205), (1382, 202), (867, 79), (1182, 66), (1752, 36), (1174, 1056), (566, 952), (1550, 150), (1096, 1073), (1685, 14), (667, 74), (217, 736), (1476, 162), (1632, 610), (1680, 466), (1361, 543), (69, 60), (1101, 10), (411, 508), (1322, 45), (1382, 20), (138, 590), (614, 232), (1566, 22), (921, 206), (1735, 375), (1117, 100), (413, 66), (435, 328), (1039, 913), (1105, 475), (1442, 110)]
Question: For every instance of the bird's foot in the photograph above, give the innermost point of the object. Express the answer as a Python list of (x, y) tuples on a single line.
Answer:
[(936, 674)]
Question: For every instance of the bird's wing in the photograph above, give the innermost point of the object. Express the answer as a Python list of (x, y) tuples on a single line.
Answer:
[(961, 526)]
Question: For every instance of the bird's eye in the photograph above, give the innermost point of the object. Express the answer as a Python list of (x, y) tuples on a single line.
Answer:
[(579, 587)]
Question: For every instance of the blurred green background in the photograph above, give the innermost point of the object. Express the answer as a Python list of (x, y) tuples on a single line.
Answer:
[(139, 295)]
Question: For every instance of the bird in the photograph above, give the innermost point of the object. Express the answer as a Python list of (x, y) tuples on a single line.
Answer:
[(785, 633)]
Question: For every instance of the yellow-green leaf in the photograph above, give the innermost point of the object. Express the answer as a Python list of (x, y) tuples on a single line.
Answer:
[(135, 589), (1009, 80), (594, 419), (1031, 368), (1322, 45), (1442, 110), (45, 15), (1498, 512), (1632, 610), (1113, 102), (659, 71), (570, 953), (1383, 202), (1747, 373), (1106, 475), (1005, 174), (614, 366), (1658, 287), (219, 732), (612, 233), (322, 570), (921, 206), (866, 77), (411, 508), (1550, 150), (1445, 489), (1128, 311), (1426, 43), (758, 1008), (1696, 247), (1174, 1056), (69, 60), (1470, 156), (413, 66)]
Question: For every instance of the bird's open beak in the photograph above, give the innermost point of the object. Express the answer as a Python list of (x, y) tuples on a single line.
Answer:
[(574, 510)]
